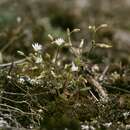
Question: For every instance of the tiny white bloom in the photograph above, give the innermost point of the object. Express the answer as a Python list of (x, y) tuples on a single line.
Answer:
[(37, 47), (59, 41), (74, 67)]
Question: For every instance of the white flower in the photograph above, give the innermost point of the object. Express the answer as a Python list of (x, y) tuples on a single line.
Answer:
[(37, 47), (74, 67), (59, 41)]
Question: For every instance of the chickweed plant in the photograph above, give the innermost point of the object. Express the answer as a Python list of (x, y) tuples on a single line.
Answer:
[(43, 77)]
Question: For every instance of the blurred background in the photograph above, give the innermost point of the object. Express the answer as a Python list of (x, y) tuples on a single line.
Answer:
[(23, 22)]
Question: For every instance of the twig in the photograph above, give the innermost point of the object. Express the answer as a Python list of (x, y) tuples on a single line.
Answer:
[(5, 116), (102, 93), (14, 109), (104, 72), (18, 102), (93, 96), (118, 89), (11, 93), (10, 63)]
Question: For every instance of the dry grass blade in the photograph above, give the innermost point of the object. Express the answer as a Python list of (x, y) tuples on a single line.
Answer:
[(9, 64), (102, 93)]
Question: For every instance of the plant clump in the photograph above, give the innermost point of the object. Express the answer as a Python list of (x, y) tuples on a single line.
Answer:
[(62, 90)]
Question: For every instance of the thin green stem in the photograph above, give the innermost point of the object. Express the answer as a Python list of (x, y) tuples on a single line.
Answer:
[(57, 52)]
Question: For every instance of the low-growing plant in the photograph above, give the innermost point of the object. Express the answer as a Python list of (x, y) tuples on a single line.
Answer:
[(44, 84)]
